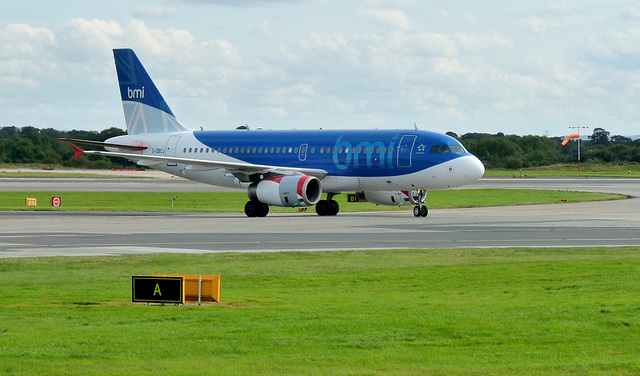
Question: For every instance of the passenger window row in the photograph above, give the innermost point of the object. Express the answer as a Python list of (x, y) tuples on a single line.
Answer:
[(240, 150), (283, 150)]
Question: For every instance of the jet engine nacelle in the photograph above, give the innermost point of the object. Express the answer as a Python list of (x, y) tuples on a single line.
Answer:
[(391, 198), (290, 191)]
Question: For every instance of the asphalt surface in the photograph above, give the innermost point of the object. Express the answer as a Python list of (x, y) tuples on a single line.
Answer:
[(29, 234)]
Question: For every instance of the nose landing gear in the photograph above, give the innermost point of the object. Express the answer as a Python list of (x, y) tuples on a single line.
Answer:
[(420, 210)]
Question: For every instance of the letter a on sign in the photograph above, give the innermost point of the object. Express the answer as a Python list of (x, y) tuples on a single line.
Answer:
[(157, 289)]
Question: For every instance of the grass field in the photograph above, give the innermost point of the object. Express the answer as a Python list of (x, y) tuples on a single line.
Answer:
[(396, 312), (235, 201)]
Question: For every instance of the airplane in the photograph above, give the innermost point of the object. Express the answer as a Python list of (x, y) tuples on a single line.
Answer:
[(287, 168)]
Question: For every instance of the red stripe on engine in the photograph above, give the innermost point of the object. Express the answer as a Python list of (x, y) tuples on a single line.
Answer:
[(301, 184)]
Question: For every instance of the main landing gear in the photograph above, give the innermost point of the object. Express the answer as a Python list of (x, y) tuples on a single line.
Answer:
[(256, 209), (421, 210), (328, 206)]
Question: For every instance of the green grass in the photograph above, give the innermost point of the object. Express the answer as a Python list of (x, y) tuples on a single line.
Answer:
[(397, 312), (235, 201)]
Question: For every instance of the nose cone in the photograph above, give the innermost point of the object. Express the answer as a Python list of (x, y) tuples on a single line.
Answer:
[(469, 170), (474, 168)]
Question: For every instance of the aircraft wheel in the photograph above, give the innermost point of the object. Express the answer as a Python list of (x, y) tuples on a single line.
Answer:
[(251, 209), (417, 211), (323, 207), (334, 207), (424, 211), (263, 210)]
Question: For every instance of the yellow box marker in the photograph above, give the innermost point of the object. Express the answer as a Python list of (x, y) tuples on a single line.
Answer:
[(30, 201), (198, 287)]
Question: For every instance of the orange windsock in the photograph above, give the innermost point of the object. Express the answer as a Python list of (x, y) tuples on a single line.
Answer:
[(575, 135)]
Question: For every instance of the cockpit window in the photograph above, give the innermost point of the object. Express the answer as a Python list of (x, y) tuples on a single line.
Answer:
[(457, 149), (442, 149)]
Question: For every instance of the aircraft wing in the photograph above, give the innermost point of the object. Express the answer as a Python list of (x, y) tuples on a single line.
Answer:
[(240, 169)]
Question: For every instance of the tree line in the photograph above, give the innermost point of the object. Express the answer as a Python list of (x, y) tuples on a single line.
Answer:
[(30, 145), (515, 152), (33, 146)]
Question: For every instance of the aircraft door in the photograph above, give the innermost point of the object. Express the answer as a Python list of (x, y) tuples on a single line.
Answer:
[(302, 155), (170, 149), (172, 144), (405, 149)]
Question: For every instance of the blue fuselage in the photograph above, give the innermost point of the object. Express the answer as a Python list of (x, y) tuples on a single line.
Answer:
[(346, 153), (352, 159)]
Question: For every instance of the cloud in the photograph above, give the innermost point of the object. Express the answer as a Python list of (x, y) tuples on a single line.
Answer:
[(82, 39), (620, 48), (632, 11), (171, 41), (395, 18), (388, 63), (248, 3), (73, 65), (22, 40), (559, 7), (151, 11), (555, 16), (466, 17), (392, 3)]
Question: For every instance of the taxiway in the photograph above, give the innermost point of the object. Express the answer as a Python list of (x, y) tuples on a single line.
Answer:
[(607, 223)]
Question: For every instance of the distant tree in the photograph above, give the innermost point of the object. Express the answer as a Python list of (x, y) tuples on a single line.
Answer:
[(615, 153), (84, 135), (452, 134), (539, 150), (50, 132), (3, 154), (8, 132), (475, 136), (111, 132), (29, 130), (600, 136), (495, 151), (617, 139), (22, 150)]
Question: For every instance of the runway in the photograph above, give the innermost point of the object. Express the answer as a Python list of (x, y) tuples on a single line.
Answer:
[(613, 223)]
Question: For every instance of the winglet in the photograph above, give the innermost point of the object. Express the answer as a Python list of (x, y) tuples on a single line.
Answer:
[(78, 151)]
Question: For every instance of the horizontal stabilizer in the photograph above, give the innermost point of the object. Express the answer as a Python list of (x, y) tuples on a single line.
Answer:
[(78, 152), (103, 144)]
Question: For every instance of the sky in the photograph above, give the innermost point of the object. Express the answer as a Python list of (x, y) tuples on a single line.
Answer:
[(534, 67)]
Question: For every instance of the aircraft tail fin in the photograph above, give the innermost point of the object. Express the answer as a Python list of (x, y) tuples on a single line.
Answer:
[(145, 110)]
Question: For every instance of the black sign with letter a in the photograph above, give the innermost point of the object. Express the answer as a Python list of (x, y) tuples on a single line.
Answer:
[(157, 289)]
